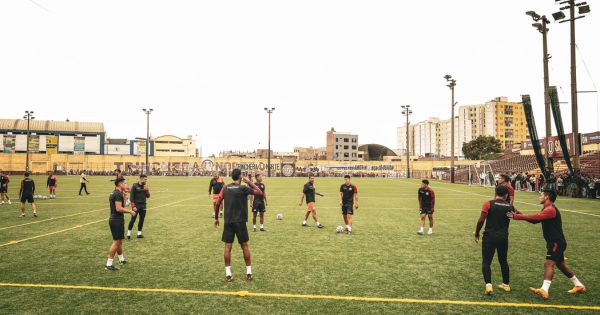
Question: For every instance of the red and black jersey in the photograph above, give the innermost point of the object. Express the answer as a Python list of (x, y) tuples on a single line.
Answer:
[(511, 193), (551, 222), (51, 181), (260, 199), (119, 175), (426, 198), (216, 185), (27, 187), (309, 192), (4, 180), (348, 192), (497, 221)]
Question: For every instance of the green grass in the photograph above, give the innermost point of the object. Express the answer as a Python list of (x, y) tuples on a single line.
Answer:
[(382, 258)]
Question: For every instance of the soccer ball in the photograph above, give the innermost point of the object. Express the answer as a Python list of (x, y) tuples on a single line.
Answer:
[(44, 197), (339, 229), (280, 216)]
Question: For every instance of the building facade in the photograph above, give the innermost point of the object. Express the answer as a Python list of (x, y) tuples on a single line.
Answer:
[(175, 146), (342, 146)]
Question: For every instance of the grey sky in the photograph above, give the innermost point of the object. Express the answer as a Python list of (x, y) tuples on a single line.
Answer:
[(208, 68)]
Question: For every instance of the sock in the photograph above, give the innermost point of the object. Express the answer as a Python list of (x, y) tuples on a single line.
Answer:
[(262, 226), (128, 232), (317, 223), (109, 262), (546, 285), (228, 271), (254, 226), (248, 270), (304, 222), (350, 228), (431, 229), (421, 229), (139, 233), (576, 281), (121, 258)]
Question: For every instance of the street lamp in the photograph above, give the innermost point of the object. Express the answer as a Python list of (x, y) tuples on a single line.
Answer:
[(451, 85), (269, 112), (147, 112), (29, 116), (583, 8), (543, 29), (407, 111)]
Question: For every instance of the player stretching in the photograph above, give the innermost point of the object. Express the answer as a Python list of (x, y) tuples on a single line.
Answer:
[(348, 202), (259, 204), (310, 192), (214, 188), (51, 184), (139, 194), (235, 197), (504, 180), (495, 237), (26, 194), (4, 188), (117, 224), (426, 206), (556, 243)]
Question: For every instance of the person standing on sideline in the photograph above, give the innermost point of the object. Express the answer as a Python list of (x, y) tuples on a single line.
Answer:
[(51, 184), (83, 184), (116, 222), (138, 196), (4, 180)]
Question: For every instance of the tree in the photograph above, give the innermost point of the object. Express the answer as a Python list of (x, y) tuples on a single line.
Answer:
[(481, 148)]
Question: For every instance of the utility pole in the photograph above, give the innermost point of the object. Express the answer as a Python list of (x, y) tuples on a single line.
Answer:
[(407, 111), (147, 112), (29, 116), (543, 29), (583, 8), (269, 112), (451, 85)]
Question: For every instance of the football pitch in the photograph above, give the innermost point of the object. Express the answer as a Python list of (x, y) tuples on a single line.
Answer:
[(55, 263)]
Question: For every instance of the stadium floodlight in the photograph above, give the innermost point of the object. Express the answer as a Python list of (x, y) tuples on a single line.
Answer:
[(534, 15), (451, 85), (557, 16), (28, 116), (407, 112), (584, 8)]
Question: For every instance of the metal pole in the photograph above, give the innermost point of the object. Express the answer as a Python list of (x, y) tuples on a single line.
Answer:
[(452, 138), (269, 148), (147, 141), (549, 163), (407, 147), (574, 118), (27, 152)]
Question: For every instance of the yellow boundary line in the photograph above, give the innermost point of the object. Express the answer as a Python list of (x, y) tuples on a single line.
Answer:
[(302, 296), (81, 225)]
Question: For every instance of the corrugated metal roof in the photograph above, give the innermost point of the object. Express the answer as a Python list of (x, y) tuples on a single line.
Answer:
[(52, 126)]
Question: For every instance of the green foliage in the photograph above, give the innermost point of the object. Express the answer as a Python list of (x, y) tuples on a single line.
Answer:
[(481, 148)]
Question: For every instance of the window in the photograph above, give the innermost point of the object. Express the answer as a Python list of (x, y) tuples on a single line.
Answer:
[(346, 140), (353, 147), (345, 147), (336, 147), (346, 155)]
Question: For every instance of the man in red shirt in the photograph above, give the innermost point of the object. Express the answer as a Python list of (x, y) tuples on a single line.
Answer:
[(504, 180), (556, 243), (51, 184)]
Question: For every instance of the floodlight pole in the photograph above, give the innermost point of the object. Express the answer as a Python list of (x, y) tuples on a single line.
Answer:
[(451, 85), (29, 117), (147, 112), (407, 111), (269, 112), (574, 114)]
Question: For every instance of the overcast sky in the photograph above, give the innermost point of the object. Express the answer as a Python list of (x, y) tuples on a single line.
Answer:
[(208, 68)]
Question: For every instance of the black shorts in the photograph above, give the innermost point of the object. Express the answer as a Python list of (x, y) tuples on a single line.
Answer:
[(27, 198), (556, 251), (117, 228), (232, 230), (425, 211), (3, 190), (259, 207), (348, 209)]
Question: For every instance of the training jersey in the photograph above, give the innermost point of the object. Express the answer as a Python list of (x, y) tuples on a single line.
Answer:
[(216, 185), (27, 187), (235, 198), (497, 221), (260, 200), (116, 196), (83, 180), (138, 196), (511, 193), (348, 192), (551, 223), (4, 180), (51, 181), (426, 198), (309, 192)]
